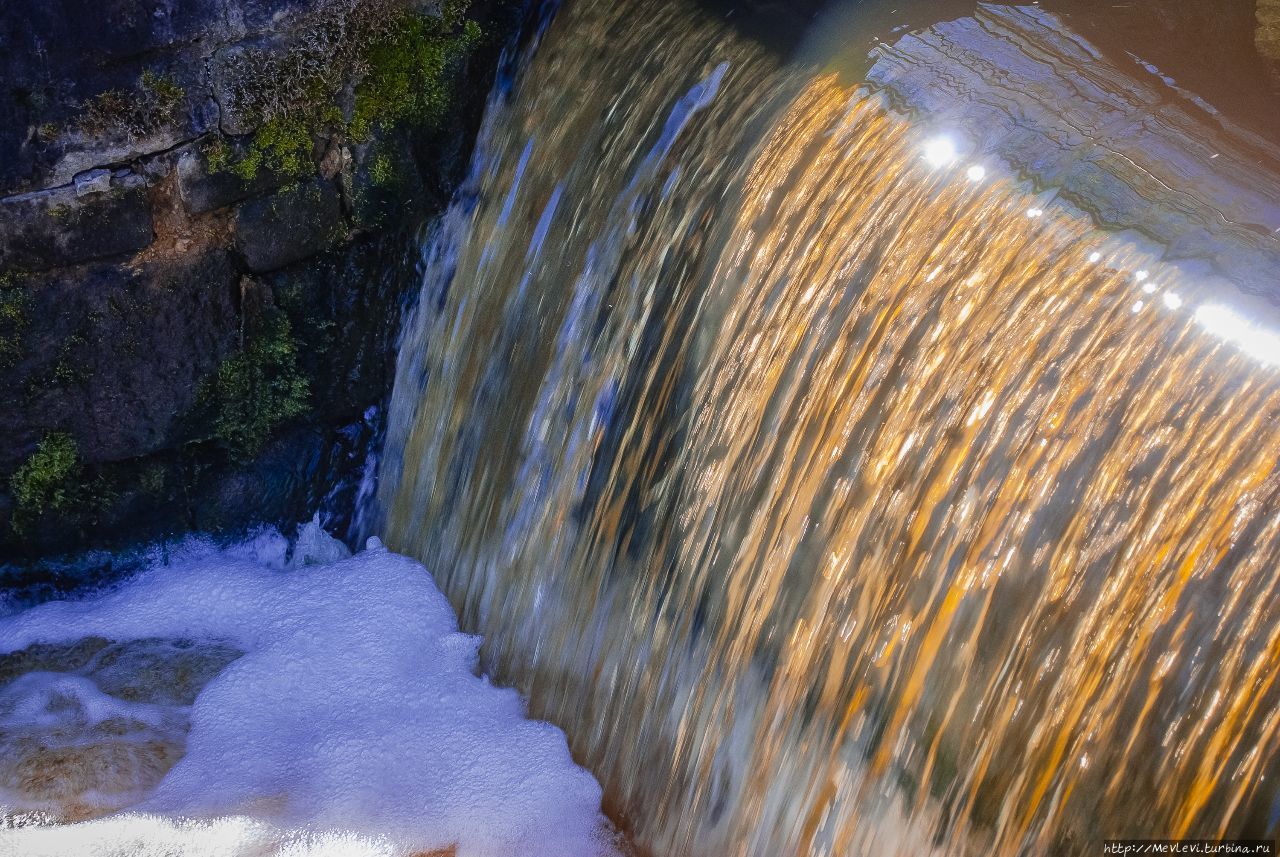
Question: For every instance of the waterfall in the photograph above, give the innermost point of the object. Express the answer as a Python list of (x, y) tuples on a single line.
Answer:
[(838, 489)]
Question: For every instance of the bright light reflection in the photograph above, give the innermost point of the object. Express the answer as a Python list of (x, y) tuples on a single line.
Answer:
[(1137, 307), (977, 173), (1034, 212), (1255, 341), (1095, 257), (940, 152), (1149, 288), (1140, 276), (1172, 301)]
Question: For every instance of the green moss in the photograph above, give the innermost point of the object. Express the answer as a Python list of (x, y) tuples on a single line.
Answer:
[(259, 389), (282, 146), (218, 156), (163, 93), (49, 481), (145, 111), (15, 316), (381, 170), (332, 48), (410, 70), (401, 62)]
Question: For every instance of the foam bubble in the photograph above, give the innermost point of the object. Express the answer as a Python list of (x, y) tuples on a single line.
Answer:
[(354, 723)]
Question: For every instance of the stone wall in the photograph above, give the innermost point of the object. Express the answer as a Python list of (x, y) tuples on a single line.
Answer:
[(206, 218)]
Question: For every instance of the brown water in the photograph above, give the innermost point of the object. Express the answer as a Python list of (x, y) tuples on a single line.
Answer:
[(90, 727), (837, 496)]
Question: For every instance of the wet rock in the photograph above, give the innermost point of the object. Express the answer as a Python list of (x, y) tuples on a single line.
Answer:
[(276, 230), (282, 479), (385, 184), (61, 227), (342, 307)]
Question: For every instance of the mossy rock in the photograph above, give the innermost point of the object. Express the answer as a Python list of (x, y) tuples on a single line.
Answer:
[(386, 187), (258, 390), (52, 488), (153, 104), (206, 185)]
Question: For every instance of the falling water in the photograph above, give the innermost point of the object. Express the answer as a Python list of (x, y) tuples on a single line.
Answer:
[(833, 498)]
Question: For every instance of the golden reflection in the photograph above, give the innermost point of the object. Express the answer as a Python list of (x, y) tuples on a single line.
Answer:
[(842, 496)]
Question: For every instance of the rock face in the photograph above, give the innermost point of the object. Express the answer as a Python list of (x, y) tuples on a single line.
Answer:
[(119, 354), (203, 190), (204, 213)]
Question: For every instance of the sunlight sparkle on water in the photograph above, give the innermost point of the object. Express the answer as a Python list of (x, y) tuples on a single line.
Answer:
[(1256, 341), (940, 151), (977, 173)]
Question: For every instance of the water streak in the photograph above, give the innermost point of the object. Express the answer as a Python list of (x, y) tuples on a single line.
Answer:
[(834, 500)]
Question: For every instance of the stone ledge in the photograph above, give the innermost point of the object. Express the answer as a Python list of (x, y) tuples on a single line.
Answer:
[(60, 227)]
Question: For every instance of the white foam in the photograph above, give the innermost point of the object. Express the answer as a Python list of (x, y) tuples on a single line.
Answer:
[(355, 723), (45, 701)]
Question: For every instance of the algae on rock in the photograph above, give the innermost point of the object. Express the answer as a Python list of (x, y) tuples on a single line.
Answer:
[(49, 481), (256, 391)]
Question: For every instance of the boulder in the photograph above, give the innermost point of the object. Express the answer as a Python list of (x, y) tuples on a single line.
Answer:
[(274, 231), (93, 181)]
